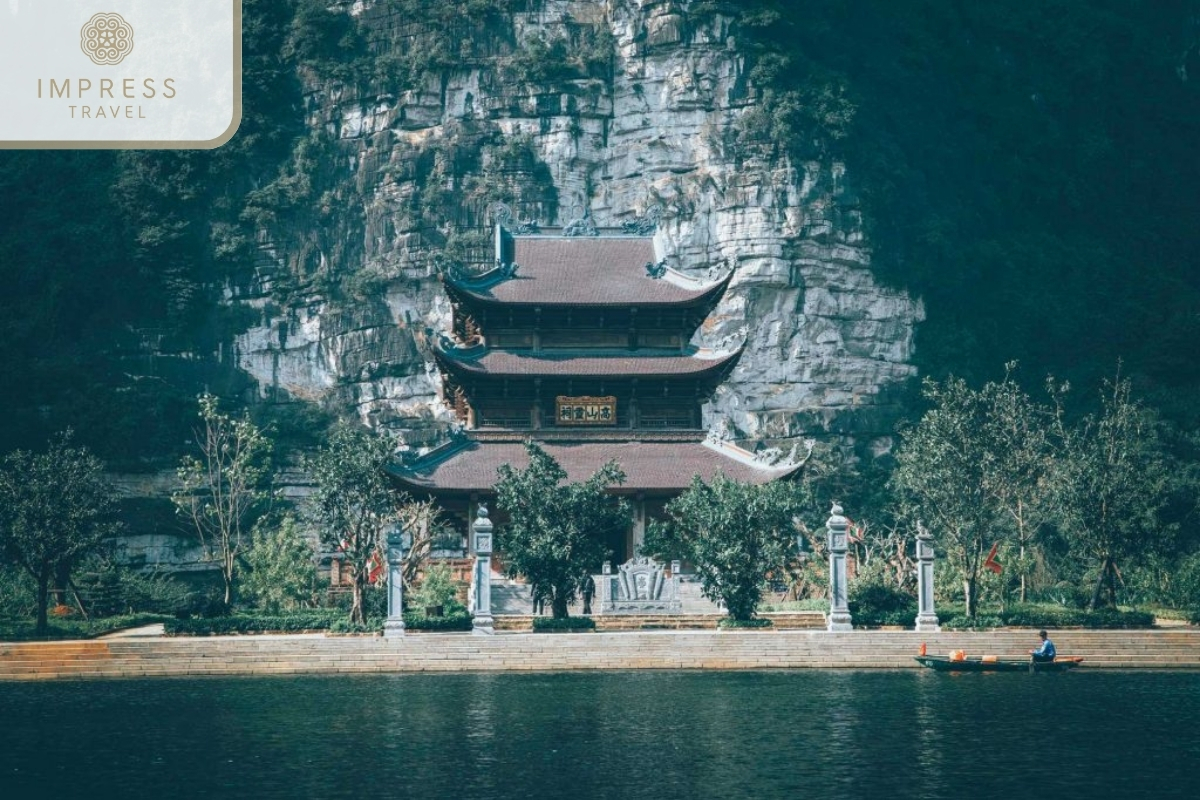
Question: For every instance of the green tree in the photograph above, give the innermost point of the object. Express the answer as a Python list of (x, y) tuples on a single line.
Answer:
[(224, 490), (1113, 481), (555, 531), (55, 507), (949, 470), (282, 567), (734, 533), (353, 503), (1020, 435)]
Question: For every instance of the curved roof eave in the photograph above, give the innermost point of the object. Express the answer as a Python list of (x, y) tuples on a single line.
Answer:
[(478, 292), (473, 360)]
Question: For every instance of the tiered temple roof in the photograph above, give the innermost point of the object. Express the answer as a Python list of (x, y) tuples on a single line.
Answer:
[(585, 271), (592, 320), (500, 364), (471, 466)]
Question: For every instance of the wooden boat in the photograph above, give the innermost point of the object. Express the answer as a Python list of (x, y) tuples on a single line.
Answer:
[(997, 664)]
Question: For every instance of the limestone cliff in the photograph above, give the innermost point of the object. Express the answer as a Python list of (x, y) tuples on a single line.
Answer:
[(604, 107)]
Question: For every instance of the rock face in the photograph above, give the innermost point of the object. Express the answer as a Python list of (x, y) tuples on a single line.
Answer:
[(603, 108)]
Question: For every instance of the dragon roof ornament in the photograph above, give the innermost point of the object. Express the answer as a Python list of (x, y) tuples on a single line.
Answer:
[(503, 216)]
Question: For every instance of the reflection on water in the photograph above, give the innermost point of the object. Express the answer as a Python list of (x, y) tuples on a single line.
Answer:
[(607, 735)]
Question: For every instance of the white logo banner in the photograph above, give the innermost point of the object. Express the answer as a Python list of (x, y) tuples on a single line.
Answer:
[(120, 73)]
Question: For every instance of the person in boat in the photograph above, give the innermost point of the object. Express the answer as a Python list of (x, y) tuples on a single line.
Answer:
[(1045, 652)]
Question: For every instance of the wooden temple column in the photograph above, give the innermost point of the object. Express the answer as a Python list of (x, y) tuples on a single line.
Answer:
[(536, 412), (633, 404)]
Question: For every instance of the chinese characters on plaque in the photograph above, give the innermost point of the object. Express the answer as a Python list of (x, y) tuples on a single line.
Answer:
[(586, 410)]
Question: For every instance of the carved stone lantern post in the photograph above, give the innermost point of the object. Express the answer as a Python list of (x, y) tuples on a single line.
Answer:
[(926, 617), (481, 580), (839, 612), (398, 543)]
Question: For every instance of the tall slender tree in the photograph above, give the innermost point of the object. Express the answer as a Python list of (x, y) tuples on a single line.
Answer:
[(354, 504), (1020, 433), (1113, 481), (946, 474), (224, 490)]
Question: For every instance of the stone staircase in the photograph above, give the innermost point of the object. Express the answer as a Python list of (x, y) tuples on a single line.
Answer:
[(644, 649), (510, 597), (799, 620)]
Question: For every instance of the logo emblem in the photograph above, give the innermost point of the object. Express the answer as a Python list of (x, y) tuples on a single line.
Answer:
[(106, 38)]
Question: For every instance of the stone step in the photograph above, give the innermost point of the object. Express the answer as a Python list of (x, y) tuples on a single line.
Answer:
[(629, 622), (660, 649)]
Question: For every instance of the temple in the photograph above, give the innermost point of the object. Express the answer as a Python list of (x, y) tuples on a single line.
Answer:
[(580, 343)]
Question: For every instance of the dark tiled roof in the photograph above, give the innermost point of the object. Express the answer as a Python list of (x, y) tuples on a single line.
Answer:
[(649, 466), (586, 270), (501, 363)]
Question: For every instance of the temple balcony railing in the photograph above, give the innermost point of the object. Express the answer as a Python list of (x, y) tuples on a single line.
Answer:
[(665, 421), (581, 434), (507, 422)]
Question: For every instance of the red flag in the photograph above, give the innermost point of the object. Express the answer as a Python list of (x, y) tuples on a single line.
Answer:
[(991, 563), (374, 568)]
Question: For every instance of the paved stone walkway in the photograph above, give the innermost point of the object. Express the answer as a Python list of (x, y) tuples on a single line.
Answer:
[(461, 652)]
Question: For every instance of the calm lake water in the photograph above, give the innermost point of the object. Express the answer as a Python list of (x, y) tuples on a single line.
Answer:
[(811, 734)]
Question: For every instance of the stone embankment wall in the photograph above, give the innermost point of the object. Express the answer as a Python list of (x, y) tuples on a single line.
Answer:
[(282, 655)]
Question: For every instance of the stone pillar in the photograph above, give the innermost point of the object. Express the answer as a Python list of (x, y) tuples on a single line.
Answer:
[(481, 580), (839, 612), (394, 627), (926, 617), (638, 534)]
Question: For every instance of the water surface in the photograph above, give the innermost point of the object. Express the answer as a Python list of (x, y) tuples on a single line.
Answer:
[(801, 734)]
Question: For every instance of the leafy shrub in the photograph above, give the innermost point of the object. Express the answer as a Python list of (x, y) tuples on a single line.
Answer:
[(757, 622), (540, 61), (283, 570), (208, 604), (109, 588), (373, 625), (18, 593), (23, 629), (458, 621), (962, 623), (1112, 618), (243, 623), (873, 602), (550, 624), (438, 589), (905, 617), (807, 604), (1042, 617), (1071, 596), (1185, 586), (374, 600), (152, 592)]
